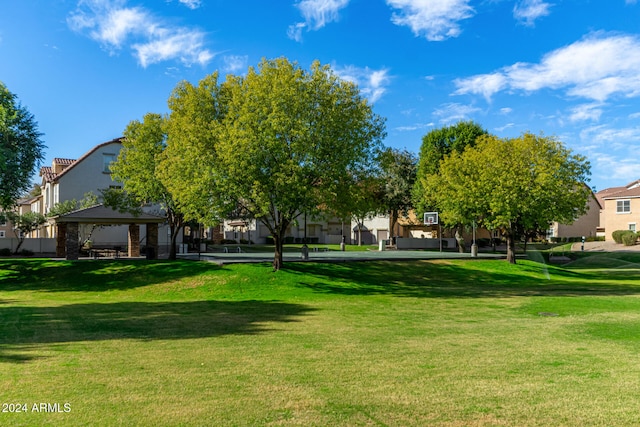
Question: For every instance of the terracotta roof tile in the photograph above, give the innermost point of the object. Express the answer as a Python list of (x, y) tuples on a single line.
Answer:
[(61, 161)]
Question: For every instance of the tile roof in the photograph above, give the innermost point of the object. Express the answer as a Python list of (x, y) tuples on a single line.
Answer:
[(623, 194), (61, 161)]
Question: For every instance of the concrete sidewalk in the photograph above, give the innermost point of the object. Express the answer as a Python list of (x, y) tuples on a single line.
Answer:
[(333, 256)]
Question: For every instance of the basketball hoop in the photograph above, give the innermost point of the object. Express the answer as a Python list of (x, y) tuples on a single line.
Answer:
[(431, 218)]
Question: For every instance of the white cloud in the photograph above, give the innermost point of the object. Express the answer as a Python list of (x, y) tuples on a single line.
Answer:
[(415, 127), (505, 127), (436, 20), (191, 4), (586, 112), (294, 32), (527, 11), (506, 110), (115, 26), (235, 63), (597, 67), (454, 112), (372, 83), (316, 14), (185, 46)]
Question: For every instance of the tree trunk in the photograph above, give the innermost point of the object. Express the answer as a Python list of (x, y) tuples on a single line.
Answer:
[(172, 246), (20, 242), (393, 220), (511, 249), (460, 241), (278, 241)]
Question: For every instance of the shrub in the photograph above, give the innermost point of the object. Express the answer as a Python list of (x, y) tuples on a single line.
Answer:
[(5, 252), (629, 238), (26, 252), (617, 235)]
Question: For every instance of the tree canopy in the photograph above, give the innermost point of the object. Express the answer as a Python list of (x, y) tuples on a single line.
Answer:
[(436, 145), (280, 141), (21, 149), (515, 185), (24, 224), (398, 175), (138, 166)]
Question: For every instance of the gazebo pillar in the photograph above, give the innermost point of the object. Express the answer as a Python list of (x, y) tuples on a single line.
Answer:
[(61, 240), (152, 241), (72, 246), (134, 240)]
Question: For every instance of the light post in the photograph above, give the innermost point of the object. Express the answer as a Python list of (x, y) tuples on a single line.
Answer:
[(474, 246)]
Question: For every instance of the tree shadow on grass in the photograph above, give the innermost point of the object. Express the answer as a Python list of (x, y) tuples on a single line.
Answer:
[(21, 327), (94, 275), (445, 279)]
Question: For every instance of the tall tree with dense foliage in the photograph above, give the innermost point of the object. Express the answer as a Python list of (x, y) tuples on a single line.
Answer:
[(436, 145), (285, 143), (515, 185), (189, 167), (21, 149), (398, 175), (137, 167)]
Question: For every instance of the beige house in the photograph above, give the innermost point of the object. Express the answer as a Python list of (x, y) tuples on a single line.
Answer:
[(620, 209), (68, 179), (586, 225)]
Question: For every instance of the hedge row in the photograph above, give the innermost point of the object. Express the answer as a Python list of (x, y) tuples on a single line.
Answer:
[(576, 239)]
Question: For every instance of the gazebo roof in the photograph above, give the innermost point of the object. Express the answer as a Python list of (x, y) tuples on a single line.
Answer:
[(100, 214)]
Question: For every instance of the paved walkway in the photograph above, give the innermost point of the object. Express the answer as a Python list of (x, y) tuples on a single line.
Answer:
[(608, 246), (334, 256)]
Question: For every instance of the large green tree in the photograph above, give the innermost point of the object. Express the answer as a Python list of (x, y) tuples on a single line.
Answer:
[(398, 175), (515, 185), (190, 168), (436, 145), (137, 166), (285, 142), (21, 149)]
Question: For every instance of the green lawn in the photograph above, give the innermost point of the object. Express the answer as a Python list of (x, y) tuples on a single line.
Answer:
[(425, 343)]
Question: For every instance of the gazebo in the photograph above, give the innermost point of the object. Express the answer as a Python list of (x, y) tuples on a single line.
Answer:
[(67, 227)]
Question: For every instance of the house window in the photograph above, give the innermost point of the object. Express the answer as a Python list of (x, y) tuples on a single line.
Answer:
[(2, 234), (623, 206), (56, 194), (107, 159), (632, 226)]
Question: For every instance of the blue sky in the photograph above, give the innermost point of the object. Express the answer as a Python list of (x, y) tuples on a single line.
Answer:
[(567, 68)]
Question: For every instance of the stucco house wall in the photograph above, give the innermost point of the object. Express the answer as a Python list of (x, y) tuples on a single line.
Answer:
[(585, 225), (622, 212)]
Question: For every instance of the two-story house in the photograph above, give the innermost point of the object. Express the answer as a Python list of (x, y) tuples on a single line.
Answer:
[(620, 208)]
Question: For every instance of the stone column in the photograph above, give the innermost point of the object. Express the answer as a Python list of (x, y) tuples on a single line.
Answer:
[(152, 241), (134, 240), (73, 249), (61, 240)]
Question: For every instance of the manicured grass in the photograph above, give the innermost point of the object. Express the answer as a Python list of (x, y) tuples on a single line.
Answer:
[(438, 343)]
